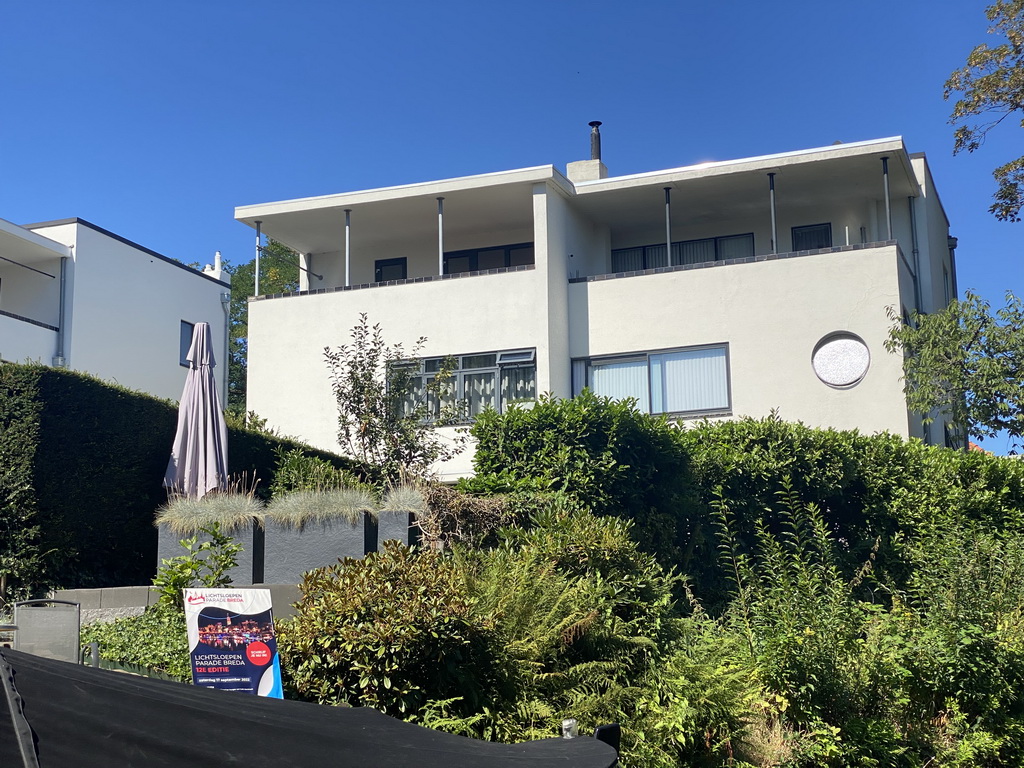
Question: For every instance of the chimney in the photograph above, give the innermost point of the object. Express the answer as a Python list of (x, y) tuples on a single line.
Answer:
[(592, 169)]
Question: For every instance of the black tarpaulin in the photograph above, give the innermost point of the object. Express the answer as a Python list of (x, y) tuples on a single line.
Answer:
[(94, 718)]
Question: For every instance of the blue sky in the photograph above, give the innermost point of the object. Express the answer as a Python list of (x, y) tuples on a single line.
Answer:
[(156, 120)]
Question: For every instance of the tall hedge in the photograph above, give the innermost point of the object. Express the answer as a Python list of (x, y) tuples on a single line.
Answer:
[(84, 461), (873, 490)]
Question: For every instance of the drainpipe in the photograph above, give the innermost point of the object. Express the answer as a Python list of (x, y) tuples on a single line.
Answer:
[(916, 261), (771, 199), (225, 303), (59, 360), (440, 236), (348, 247), (885, 183), (668, 226)]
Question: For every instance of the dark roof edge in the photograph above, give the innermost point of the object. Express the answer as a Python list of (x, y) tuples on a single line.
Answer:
[(126, 241)]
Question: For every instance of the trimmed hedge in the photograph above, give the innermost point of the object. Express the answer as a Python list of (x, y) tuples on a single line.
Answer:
[(84, 461)]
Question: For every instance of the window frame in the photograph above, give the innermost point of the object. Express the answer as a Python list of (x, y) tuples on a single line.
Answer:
[(652, 251), (808, 227), (586, 364), (473, 254), (379, 264), (523, 357), (185, 342)]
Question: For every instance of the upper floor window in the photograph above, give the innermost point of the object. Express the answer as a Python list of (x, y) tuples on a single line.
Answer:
[(812, 237), (495, 257), (690, 380), (683, 252), (184, 342), (473, 383), (389, 269)]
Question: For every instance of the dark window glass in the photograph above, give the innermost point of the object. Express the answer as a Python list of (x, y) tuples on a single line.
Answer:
[(184, 342), (389, 269), (519, 257), (812, 237), (495, 258)]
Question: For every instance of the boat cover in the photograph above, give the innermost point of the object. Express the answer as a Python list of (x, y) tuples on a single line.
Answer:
[(55, 714)]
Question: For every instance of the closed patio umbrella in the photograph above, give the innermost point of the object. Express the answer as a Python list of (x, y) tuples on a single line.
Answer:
[(199, 456)]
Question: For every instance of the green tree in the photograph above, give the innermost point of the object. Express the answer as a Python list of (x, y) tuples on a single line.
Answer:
[(968, 363), (387, 409), (279, 273), (991, 88)]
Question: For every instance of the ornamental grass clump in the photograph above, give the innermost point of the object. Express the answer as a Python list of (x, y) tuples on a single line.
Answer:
[(300, 508), (186, 516), (403, 499)]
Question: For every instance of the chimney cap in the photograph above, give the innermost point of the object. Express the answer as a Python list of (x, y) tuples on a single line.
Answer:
[(594, 123)]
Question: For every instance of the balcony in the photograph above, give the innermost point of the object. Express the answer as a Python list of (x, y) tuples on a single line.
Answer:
[(23, 339)]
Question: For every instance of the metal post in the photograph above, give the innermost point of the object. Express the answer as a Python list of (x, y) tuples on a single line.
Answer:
[(668, 226), (348, 247), (259, 247), (440, 236), (888, 212), (771, 198)]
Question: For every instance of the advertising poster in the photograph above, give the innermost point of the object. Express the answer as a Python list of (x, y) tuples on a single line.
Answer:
[(231, 640)]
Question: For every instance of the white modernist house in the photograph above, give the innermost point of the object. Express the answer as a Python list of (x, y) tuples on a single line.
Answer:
[(717, 290), (75, 295)]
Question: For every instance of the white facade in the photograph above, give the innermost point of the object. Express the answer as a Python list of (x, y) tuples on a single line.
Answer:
[(731, 324), (73, 294)]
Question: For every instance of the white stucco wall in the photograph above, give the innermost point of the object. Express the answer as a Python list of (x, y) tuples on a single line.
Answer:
[(124, 311), (771, 314), (22, 342), (288, 379)]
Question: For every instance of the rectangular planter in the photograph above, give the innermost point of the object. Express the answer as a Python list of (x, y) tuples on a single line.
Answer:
[(290, 552)]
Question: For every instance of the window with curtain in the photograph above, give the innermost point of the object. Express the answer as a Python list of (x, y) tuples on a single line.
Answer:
[(480, 381), (678, 381)]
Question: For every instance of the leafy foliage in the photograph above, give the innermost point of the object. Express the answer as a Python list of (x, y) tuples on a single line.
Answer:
[(390, 631), (379, 424), (968, 363), (605, 454), (156, 640), (205, 563), (992, 85), (279, 273)]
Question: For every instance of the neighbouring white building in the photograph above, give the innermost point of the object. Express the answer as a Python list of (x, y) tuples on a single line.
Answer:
[(77, 296), (717, 290)]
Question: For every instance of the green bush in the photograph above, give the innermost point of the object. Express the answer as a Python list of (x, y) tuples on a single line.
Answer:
[(391, 631), (156, 640), (606, 455)]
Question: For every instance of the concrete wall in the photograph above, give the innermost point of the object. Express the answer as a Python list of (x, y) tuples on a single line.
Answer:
[(24, 342), (772, 314), (288, 378), (125, 308)]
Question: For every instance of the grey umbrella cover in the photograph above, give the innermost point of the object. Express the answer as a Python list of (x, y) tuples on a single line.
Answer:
[(199, 456)]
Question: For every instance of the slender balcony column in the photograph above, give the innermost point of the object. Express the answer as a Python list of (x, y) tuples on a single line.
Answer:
[(259, 247), (771, 200), (440, 236), (888, 211), (348, 247), (668, 226)]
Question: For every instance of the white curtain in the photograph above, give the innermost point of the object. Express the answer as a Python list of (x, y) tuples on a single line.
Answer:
[(518, 384), (620, 380), (480, 392), (694, 380)]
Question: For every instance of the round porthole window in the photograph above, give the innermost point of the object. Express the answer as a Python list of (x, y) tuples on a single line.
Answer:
[(841, 359)]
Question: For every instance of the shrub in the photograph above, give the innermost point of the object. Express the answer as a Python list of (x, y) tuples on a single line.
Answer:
[(203, 564), (157, 640), (391, 631)]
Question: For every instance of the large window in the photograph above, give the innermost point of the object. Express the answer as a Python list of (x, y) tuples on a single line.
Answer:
[(476, 382), (678, 381), (478, 259), (812, 237), (683, 252)]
